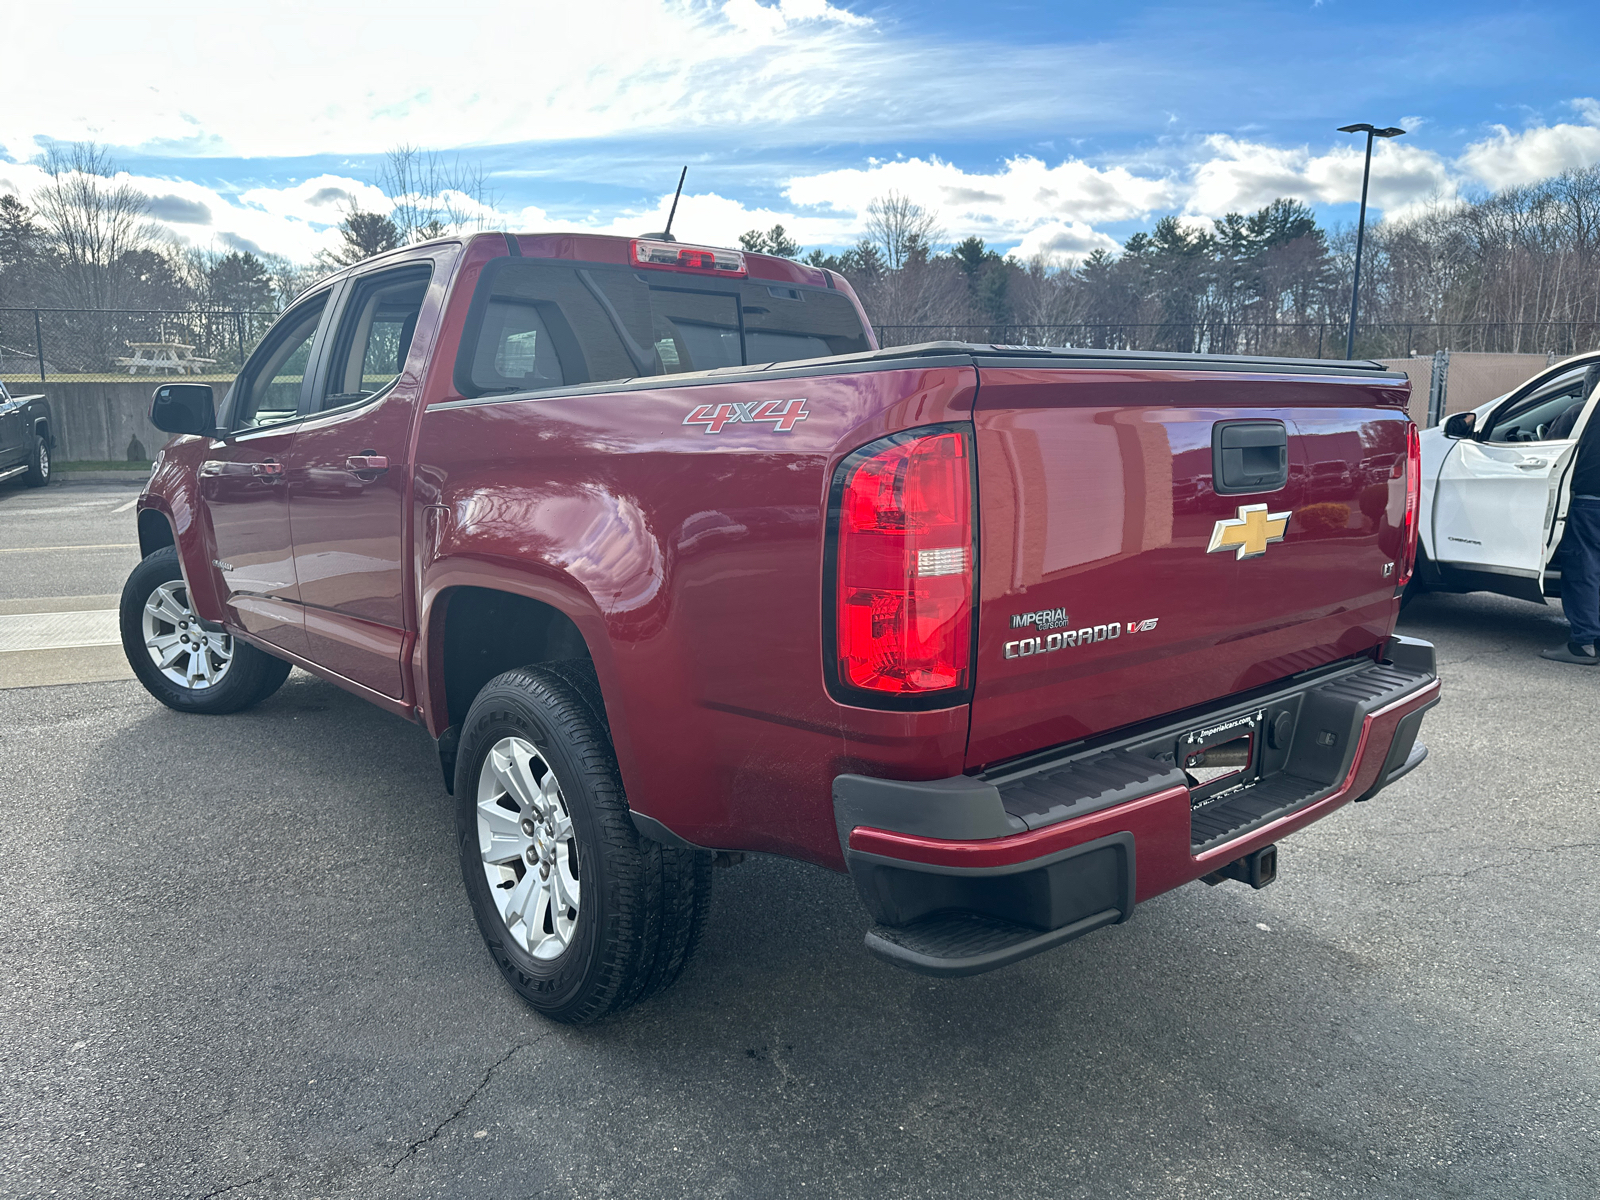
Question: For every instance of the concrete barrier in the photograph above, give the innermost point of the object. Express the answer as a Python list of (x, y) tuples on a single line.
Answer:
[(106, 422)]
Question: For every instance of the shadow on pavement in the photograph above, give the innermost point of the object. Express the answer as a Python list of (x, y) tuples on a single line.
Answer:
[(241, 959)]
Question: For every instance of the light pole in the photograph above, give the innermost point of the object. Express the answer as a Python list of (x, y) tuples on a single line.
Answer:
[(1371, 131)]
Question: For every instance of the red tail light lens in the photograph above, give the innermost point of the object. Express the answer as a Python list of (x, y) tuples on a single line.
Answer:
[(903, 566), (1408, 551)]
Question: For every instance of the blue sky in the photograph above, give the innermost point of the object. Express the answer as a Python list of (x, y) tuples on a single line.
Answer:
[(1044, 128)]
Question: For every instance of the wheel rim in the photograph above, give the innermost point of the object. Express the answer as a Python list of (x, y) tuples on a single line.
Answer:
[(44, 460), (182, 648), (529, 850)]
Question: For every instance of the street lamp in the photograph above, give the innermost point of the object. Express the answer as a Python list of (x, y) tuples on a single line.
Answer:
[(1371, 131)]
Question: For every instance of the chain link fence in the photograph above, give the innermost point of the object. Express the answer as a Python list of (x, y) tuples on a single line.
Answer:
[(1297, 340), (74, 345), (68, 345)]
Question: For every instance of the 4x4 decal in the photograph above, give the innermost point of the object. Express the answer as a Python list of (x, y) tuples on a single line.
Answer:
[(784, 414)]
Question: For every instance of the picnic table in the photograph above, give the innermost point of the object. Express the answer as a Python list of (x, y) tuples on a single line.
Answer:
[(163, 356)]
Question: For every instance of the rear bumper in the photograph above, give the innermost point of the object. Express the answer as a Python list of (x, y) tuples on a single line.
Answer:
[(967, 874)]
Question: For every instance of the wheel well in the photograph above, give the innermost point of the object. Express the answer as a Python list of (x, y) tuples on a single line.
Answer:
[(42, 428), (154, 532), (487, 632)]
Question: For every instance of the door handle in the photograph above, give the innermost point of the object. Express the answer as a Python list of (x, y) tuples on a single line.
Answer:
[(1533, 464), (367, 462), (269, 468)]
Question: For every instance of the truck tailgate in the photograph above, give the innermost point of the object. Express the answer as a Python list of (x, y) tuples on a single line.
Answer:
[(1117, 585)]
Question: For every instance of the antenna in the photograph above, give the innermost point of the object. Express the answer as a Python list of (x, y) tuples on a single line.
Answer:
[(666, 235)]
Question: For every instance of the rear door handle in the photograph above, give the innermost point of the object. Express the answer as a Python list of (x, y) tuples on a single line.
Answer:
[(367, 462), (270, 467), (1533, 464)]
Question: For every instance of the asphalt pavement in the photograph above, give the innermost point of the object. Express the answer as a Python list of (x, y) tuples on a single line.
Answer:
[(235, 959)]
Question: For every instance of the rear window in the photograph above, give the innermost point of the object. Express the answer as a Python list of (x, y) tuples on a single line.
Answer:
[(539, 323)]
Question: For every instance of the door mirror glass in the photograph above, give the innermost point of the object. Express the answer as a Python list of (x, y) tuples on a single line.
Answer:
[(1460, 425), (184, 408)]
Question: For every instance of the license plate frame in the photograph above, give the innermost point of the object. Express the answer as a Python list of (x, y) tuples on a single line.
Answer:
[(1232, 767)]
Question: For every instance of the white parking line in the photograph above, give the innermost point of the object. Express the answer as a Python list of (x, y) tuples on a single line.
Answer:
[(127, 506), (43, 549), (57, 631)]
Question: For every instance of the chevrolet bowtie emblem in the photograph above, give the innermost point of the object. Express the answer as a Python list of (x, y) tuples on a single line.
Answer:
[(1251, 531)]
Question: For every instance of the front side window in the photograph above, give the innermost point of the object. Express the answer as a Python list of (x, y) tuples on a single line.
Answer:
[(542, 323), (270, 391), (1547, 415), (374, 336)]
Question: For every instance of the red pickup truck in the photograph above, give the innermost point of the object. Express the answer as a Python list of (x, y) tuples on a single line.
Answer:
[(677, 565)]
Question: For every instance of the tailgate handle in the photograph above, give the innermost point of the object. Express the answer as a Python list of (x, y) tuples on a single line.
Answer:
[(1249, 456)]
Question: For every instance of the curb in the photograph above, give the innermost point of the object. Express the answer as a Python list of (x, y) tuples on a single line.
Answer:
[(100, 477)]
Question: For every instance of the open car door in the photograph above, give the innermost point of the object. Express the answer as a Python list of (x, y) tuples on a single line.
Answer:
[(1499, 511), (1560, 491)]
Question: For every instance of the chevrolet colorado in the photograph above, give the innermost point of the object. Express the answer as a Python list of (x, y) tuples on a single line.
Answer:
[(676, 564)]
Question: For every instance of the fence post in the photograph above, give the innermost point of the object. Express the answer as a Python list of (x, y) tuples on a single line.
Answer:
[(1438, 387), (38, 343)]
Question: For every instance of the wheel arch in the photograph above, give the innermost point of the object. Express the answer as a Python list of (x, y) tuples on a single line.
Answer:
[(155, 532), (479, 621)]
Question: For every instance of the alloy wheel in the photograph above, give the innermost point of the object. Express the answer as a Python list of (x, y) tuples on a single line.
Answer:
[(528, 847), (185, 650)]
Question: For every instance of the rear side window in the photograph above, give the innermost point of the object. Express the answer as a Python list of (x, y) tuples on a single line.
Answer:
[(541, 323)]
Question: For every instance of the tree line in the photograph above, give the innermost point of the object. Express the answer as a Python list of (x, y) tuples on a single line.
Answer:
[(1514, 270), (1511, 271), (86, 252)]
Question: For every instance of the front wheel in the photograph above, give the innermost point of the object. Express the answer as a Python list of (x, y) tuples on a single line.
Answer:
[(582, 915), (184, 662)]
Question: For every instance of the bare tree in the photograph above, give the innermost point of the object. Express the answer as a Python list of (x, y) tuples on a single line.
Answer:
[(94, 220), (902, 229), (433, 196)]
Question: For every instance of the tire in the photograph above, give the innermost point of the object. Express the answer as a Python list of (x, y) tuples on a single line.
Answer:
[(1414, 586), (582, 914), (220, 675), (38, 463)]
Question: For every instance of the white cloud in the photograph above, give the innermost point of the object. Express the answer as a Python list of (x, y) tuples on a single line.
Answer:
[(1507, 159), (1240, 176), (770, 20), (296, 221), (1058, 240), (311, 80)]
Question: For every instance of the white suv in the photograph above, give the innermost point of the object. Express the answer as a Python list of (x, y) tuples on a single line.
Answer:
[(1496, 483)]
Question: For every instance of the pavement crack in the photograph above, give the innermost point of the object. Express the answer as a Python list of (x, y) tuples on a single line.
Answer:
[(233, 1187), (413, 1147), (1470, 871)]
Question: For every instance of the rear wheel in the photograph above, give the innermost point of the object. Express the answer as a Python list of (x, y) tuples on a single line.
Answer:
[(184, 662), (38, 463), (582, 915)]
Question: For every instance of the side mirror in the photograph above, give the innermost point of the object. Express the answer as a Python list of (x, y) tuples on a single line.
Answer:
[(1461, 425), (184, 408)]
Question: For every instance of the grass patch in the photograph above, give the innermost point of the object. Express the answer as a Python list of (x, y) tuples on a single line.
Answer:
[(92, 465)]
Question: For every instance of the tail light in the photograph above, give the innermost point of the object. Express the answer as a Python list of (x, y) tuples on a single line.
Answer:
[(698, 260), (903, 569), (1408, 547)]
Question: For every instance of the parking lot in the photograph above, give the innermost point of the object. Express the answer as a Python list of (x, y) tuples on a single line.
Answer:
[(235, 959)]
